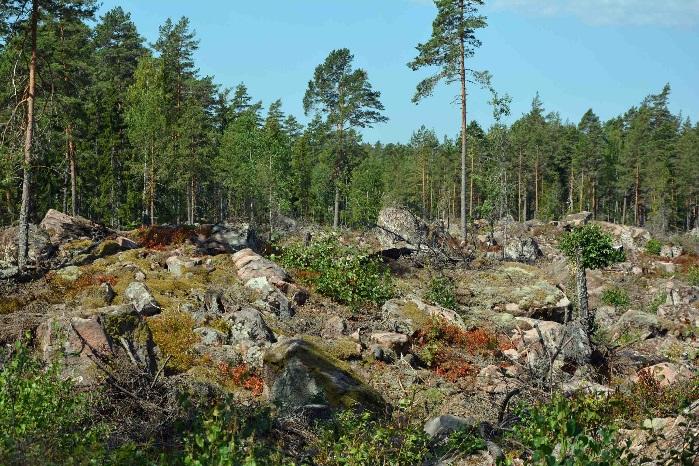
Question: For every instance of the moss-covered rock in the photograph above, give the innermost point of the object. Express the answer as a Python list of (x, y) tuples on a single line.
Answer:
[(299, 374)]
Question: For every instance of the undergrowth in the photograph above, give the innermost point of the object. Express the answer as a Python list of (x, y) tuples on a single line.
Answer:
[(341, 272)]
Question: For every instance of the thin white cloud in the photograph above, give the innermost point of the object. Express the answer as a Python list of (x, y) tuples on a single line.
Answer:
[(668, 13)]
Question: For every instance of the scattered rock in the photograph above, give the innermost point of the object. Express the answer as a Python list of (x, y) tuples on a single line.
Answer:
[(390, 340), (671, 251), (334, 327), (226, 238), (443, 426), (210, 336), (299, 374), (522, 250), (178, 265), (574, 220), (248, 325), (138, 294), (407, 315), (62, 227)]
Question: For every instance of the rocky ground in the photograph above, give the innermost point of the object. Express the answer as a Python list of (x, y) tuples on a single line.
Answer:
[(148, 314)]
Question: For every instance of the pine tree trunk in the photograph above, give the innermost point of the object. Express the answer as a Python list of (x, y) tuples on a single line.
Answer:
[(336, 212), (636, 196), (519, 188), (462, 72), (23, 234), (73, 173), (536, 184), (470, 182), (581, 282)]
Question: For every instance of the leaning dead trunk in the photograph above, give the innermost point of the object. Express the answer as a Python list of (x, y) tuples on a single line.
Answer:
[(23, 235)]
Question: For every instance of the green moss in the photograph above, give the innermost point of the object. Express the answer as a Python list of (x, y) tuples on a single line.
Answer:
[(342, 349), (10, 305), (107, 248), (173, 333)]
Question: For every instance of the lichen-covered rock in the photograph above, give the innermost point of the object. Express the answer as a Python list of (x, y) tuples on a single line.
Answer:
[(138, 294), (226, 238), (128, 330), (62, 227), (407, 315), (522, 249), (671, 251), (519, 289), (40, 247), (299, 375), (401, 229), (247, 324), (75, 341)]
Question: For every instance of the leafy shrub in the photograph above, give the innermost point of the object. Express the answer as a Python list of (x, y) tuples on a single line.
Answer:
[(657, 301), (616, 297), (441, 292), (341, 272), (693, 275), (592, 247), (43, 420), (568, 431), (226, 437), (653, 247)]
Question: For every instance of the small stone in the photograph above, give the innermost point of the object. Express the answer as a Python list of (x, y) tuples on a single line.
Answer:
[(447, 424), (334, 327), (390, 340), (108, 293), (138, 294), (126, 243), (210, 336)]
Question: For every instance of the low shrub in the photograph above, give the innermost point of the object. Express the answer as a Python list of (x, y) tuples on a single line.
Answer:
[(341, 272), (693, 275), (43, 420), (616, 297), (653, 247), (358, 439), (441, 292)]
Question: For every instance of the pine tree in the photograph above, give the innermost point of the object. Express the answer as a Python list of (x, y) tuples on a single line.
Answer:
[(453, 41), (345, 96)]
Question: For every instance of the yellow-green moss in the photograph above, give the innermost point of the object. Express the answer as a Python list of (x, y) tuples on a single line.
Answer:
[(173, 333), (342, 349)]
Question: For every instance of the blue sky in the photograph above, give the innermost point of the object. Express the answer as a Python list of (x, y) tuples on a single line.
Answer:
[(578, 54)]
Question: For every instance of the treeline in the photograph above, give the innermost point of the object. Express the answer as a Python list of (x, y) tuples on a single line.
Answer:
[(129, 133)]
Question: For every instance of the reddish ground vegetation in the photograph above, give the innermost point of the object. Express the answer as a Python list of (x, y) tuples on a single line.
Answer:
[(242, 376), (158, 237)]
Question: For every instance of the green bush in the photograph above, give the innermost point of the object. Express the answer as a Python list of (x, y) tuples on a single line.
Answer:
[(226, 437), (589, 246), (43, 419), (616, 297), (568, 431), (441, 292), (653, 247), (693, 275), (358, 439), (341, 272)]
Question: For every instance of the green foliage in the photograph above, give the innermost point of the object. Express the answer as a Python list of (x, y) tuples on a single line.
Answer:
[(358, 440), (441, 291), (43, 419), (693, 275), (225, 437), (594, 248), (657, 301), (341, 272), (568, 432), (617, 297), (653, 247)]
